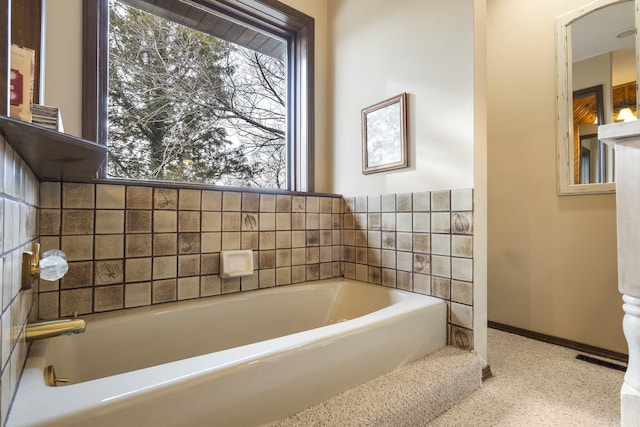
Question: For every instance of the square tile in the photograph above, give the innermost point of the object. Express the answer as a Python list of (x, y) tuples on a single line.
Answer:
[(283, 203), (211, 221), (298, 204), (138, 245), (422, 201), (188, 288), (49, 221), (110, 196), (165, 198), (422, 284), (78, 196), (165, 244), (404, 202), (188, 265), (441, 287), (211, 200), (326, 204), (107, 298), (76, 300), (462, 223), (441, 266), (462, 200), (211, 242), (137, 294), (138, 221), (249, 240), (231, 241), (404, 222), (462, 246), (109, 272), (109, 246), (165, 221), (388, 240), (422, 222), (77, 248), (441, 222), (209, 264), (80, 275), (441, 244), (50, 194), (231, 201), (462, 292), (139, 197), (210, 285), (109, 221), (190, 221), (374, 203), (422, 242), (77, 221), (440, 200), (404, 242), (388, 203), (137, 270), (404, 261), (163, 291), (421, 263), (164, 267), (189, 200), (462, 269), (250, 202), (189, 243), (267, 203)]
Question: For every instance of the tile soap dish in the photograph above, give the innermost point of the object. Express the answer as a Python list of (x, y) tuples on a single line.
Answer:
[(236, 263)]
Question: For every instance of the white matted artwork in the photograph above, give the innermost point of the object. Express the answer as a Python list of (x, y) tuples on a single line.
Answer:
[(384, 135)]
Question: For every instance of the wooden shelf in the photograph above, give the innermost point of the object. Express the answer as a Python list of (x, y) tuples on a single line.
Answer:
[(53, 155)]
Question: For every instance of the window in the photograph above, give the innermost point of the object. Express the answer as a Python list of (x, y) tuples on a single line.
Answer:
[(217, 92)]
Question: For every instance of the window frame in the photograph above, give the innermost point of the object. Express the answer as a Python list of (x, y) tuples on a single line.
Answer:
[(271, 15)]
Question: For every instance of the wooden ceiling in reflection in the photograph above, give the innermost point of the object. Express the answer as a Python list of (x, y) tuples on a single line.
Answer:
[(584, 108)]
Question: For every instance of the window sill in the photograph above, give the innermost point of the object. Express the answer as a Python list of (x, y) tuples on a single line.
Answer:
[(53, 155)]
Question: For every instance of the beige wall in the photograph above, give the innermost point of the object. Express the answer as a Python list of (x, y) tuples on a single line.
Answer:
[(63, 64), (380, 49), (552, 260)]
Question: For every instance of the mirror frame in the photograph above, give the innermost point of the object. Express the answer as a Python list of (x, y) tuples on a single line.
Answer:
[(564, 101)]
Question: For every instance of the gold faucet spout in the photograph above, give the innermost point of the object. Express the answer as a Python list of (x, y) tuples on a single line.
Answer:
[(54, 328)]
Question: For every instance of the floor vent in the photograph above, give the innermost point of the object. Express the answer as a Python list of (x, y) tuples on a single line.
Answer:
[(601, 362)]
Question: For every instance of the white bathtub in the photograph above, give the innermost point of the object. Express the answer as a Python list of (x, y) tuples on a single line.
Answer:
[(237, 360)]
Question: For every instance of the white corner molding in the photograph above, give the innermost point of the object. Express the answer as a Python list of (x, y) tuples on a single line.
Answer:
[(625, 138)]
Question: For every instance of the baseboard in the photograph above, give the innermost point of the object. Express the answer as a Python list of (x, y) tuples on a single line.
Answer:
[(597, 351), (486, 373)]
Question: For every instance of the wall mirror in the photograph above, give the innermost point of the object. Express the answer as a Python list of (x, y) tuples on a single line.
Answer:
[(597, 74)]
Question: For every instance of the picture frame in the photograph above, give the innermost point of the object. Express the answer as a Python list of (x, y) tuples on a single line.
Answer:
[(384, 135)]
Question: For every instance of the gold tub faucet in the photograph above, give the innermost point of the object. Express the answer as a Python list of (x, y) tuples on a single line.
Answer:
[(54, 328)]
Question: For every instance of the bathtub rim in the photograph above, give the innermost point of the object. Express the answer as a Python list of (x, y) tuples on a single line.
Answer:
[(114, 389)]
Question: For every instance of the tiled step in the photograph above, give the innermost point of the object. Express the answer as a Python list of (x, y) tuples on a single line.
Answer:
[(411, 395)]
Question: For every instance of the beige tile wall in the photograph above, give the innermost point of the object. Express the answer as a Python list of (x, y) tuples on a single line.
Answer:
[(18, 227), (133, 245), (419, 242)]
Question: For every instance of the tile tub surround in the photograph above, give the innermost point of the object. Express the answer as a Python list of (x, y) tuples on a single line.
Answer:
[(135, 245), (420, 242), (18, 229)]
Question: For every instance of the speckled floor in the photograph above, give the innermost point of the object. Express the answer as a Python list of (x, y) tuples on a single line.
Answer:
[(533, 384), (539, 384)]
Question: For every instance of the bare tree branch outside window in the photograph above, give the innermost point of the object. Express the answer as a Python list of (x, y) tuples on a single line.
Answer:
[(187, 106)]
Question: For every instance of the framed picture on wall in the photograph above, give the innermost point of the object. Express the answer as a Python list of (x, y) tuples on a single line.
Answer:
[(384, 135)]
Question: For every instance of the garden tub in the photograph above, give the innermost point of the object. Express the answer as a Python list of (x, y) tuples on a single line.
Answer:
[(235, 360)]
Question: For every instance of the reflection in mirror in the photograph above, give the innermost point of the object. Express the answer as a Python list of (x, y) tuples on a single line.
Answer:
[(596, 60), (588, 112)]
